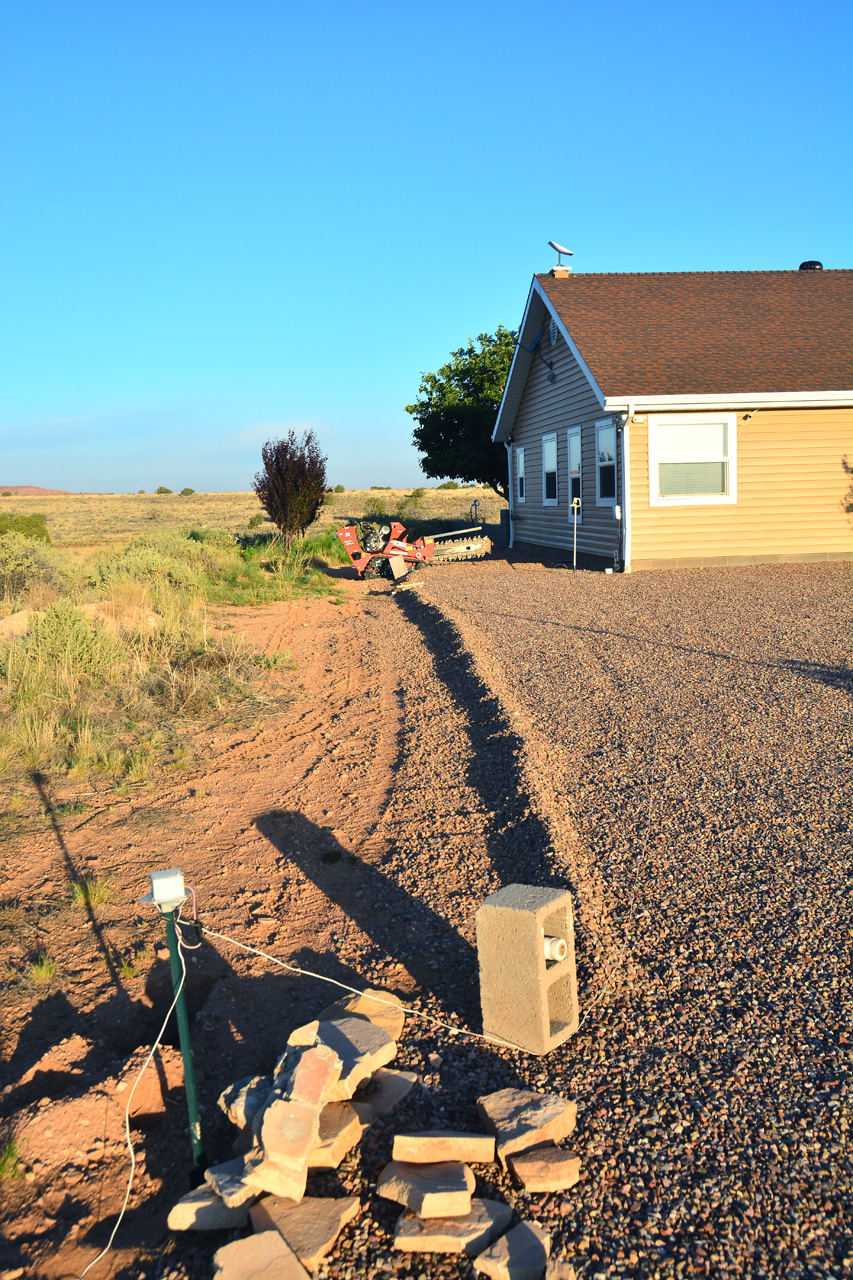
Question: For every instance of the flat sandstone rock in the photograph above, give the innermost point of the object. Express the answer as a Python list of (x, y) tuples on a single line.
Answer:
[(471, 1234), (443, 1144), (546, 1169), (519, 1255), (379, 1007), (310, 1228), (362, 1048), (203, 1210), (267, 1256), (227, 1181), (381, 1093), (520, 1119), (430, 1190), (340, 1130)]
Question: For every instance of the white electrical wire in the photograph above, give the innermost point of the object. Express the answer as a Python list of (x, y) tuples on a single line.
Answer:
[(128, 1139), (393, 1004)]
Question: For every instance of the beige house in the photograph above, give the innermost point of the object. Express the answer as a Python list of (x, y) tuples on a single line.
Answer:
[(701, 418)]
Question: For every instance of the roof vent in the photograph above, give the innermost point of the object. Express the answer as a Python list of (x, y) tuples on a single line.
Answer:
[(811, 265)]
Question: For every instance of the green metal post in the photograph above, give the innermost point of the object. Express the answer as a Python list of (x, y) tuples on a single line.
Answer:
[(199, 1158)]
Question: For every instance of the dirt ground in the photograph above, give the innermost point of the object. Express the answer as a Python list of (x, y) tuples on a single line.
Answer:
[(356, 834)]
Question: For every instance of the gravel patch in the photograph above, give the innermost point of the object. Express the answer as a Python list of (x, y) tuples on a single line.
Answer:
[(677, 748)]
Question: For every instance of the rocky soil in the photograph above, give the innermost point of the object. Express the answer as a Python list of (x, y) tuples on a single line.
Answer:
[(675, 747)]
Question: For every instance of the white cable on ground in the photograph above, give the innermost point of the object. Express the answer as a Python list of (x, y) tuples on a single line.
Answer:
[(415, 1013), (128, 1139)]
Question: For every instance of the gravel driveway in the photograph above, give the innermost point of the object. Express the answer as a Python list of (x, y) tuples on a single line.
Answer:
[(677, 746)]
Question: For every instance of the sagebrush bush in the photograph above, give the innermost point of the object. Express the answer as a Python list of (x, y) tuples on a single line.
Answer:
[(374, 508), (449, 484), (23, 562), (32, 526), (339, 488)]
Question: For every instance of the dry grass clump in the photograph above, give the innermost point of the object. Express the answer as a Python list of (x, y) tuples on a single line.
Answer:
[(95, 681)]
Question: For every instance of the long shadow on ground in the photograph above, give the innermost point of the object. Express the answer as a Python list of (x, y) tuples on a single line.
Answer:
[(399, 926), (518, 842)]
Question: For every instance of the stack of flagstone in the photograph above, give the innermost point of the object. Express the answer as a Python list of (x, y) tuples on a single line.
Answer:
[(329, 1085), (303, 1116), (430, 1176)]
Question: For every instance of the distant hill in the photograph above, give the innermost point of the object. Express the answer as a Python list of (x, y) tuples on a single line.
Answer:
[(32, 490)]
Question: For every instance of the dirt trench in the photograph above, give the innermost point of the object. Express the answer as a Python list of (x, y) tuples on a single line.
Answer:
[(354, 835)]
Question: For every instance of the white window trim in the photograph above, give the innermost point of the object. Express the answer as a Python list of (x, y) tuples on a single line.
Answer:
[(600, 425), (518, 497), (551, 502), (698, 499), (574, 431)]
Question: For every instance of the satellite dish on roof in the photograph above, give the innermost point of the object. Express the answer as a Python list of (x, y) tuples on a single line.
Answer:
[(560, 250)]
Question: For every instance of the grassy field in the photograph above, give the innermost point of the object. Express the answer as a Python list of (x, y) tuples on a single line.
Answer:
[(108, 657), (88, 520)]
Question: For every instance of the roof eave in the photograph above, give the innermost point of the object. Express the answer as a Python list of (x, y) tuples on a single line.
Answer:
[(639, 403)]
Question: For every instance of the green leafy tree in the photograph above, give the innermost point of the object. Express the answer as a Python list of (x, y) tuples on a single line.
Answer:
[(292, 484), (456, 413)]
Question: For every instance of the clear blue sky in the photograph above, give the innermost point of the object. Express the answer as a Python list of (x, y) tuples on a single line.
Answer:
[(223, 219)]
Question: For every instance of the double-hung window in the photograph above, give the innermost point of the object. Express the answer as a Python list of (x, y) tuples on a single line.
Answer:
[(519, 474), (692, 459), (574, 450), (549, 470), (605, 464)]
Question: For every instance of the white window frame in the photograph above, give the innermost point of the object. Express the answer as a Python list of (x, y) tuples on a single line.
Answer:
[(555, 501), (696, 499), (520, 477), (574, 431), (601, 425)]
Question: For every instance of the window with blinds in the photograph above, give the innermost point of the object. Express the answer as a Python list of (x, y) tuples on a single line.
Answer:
[(691, 459), (574, 449), (549, 470)]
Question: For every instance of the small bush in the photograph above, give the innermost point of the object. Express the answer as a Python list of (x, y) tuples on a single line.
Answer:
[(187, 493), (162, 489), (449, 484), (417, 495), (22, 563), (380, 486), (33, 526), (375, 507), (255, 521), (91, 891), (43, 970), (339, 488), (7, 493), (140, 491)]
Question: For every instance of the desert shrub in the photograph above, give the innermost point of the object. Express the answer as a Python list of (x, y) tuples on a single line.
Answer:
[(449, 484), (375, 507), (22, 563), (255, 521), (33, 526), (380, 486), (162, 489), (187, 493), (339, 488), (7, 493), (61, 649), (140, 491), (417, 495)]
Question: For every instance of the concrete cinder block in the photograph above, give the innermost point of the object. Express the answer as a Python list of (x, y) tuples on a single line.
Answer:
[(526, 999)]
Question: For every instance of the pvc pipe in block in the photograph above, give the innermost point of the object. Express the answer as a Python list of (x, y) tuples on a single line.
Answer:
[(555, 948)]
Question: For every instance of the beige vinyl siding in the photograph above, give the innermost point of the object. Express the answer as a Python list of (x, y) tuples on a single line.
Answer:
[(554, 407), (790, 485)]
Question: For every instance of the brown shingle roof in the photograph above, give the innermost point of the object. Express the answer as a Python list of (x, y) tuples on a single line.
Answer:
[(704, 332)]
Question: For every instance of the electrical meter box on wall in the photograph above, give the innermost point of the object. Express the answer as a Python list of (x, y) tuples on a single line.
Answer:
[(528, 998)]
